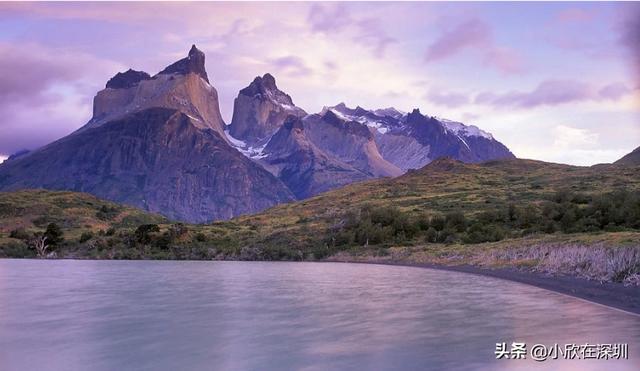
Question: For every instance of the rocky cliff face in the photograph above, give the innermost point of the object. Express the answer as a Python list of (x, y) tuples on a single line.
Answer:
[(306, 169), (156, 143), (157, 159), (183, 86), (349, 141), (260, 110)]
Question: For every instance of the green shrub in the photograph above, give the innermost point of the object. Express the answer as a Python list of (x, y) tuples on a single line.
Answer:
[(107, 212), (20, 234), (143, 233), (17, 249), (54, 235), (86, 236)]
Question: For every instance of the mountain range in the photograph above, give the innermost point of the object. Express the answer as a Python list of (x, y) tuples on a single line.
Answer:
[(159, 143)]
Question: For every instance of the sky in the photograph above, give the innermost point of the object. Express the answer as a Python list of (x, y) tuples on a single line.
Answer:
[(558, 82)]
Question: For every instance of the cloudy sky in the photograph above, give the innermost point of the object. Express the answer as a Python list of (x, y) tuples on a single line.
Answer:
[(553, 81)]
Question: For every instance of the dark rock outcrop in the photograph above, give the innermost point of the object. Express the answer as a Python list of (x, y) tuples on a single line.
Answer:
[(128, 79), (193, 63)]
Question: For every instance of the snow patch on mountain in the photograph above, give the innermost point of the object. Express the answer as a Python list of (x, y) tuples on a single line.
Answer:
[(380, 126), (390, 111), (254, 153), (461, 129)]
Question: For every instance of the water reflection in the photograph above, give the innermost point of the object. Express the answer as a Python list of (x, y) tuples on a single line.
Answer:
[(102, 315)]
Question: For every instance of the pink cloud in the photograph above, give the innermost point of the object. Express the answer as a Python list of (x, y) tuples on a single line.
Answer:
[(371, 33), (328, 19), (367, 32), (475, 34), (505, 60), (574, 15), (472, 33)]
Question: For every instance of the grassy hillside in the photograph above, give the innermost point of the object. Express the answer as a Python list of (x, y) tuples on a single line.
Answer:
[(29, 212), (447, 211), (441, 188)]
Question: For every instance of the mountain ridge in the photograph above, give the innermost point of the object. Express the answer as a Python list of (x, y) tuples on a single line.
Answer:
[(632, 158), (160, 143)]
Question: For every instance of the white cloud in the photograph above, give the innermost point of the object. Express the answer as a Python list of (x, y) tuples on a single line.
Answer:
[(567, 137)]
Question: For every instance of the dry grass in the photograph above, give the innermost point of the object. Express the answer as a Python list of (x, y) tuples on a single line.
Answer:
[(602, 263)]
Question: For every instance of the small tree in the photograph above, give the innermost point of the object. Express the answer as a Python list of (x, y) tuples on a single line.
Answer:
[(143, 233), (39, 243)]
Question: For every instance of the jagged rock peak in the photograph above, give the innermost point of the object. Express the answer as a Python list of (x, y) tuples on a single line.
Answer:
[(125, 80), (193, 63), (390, 112), (415, 112), (340, 106), (330, 117), (260, 86)]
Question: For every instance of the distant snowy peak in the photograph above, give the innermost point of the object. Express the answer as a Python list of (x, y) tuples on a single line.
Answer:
[(459, 128), (381, 122), (386, 119), (391, 112)]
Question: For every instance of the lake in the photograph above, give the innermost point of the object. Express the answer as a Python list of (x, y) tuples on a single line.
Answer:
[(169, 315)]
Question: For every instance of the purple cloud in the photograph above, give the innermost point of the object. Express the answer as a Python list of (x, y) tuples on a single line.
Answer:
[(45, 93), (372, 34), (328, 19), (630, 32), (475, 34), (447, 99), (292, 66), (613, 91), (368, 32), (553, 92), (472, 33)]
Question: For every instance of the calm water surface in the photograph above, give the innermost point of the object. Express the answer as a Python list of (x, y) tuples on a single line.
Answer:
[(140, 315)]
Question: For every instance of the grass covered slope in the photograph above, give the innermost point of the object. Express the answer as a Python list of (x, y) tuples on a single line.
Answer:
[(448, 188), (630, 159), (24, 214)]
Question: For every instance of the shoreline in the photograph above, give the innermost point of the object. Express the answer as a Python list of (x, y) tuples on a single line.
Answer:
[(612, 295)]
